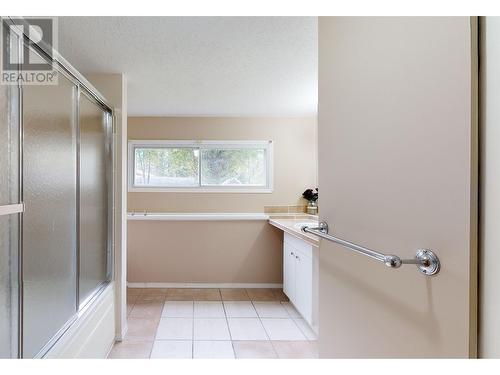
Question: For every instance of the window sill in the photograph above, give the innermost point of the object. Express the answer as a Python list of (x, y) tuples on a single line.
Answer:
[(197, 216), (200, 190)]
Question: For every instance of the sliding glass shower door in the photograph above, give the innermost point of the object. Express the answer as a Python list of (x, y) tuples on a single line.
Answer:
[(95, 184), (10, 212), (50, 218), (55, 206), (9, 221)]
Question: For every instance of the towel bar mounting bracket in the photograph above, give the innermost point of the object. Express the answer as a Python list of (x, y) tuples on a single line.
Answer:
[(426, 260)]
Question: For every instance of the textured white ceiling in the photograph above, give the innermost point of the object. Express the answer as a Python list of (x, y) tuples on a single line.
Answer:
[(219, 66)]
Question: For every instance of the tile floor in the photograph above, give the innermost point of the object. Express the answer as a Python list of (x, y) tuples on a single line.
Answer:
[(214, 323)]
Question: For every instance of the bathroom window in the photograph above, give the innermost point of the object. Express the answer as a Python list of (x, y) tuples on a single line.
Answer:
[(200, 166)]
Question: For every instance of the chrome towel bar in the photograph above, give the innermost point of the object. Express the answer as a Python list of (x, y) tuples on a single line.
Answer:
[(426, 261)]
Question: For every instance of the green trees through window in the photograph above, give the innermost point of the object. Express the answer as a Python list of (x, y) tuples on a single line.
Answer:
[(233, 167), (166, 166), (202, 166)]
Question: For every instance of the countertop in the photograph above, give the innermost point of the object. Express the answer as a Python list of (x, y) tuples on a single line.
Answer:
[(293, 227)]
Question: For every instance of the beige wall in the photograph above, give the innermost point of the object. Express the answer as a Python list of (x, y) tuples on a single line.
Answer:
[(294, 151), (219, 251), (489, 333), (204, 252)]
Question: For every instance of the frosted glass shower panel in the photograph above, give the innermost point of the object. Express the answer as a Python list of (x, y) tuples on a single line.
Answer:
[(50, 219)]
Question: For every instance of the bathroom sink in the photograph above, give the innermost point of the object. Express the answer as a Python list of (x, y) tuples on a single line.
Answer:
[(305, 224)]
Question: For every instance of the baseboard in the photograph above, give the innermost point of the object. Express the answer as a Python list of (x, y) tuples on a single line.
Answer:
[(205, 285)]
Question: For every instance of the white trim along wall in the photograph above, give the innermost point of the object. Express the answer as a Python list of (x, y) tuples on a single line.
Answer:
[(206, 285), (196, 216)]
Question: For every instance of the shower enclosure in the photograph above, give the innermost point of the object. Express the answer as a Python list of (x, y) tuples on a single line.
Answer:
[(56, 154)]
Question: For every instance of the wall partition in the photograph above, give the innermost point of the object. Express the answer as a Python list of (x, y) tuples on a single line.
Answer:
[(62, 174)]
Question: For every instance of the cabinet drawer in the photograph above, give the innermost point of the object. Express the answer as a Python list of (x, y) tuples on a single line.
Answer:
[(302, 246)]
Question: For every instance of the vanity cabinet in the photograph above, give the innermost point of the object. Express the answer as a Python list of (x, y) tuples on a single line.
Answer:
[(300, 277), (289, 261)]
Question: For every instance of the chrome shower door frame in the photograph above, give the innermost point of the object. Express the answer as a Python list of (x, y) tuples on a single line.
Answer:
[(82, 85)]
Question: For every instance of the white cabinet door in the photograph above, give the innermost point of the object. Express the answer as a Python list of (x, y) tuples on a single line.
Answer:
[(303, 285), (289, 271)]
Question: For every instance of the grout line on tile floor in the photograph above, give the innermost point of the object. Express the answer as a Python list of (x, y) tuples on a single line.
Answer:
[(268, 337), (227, 323), (252, 301), (192, 336), (260, 321), (300, 330)]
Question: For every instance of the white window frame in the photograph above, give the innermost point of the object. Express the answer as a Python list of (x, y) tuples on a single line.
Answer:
[(267, 145)]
